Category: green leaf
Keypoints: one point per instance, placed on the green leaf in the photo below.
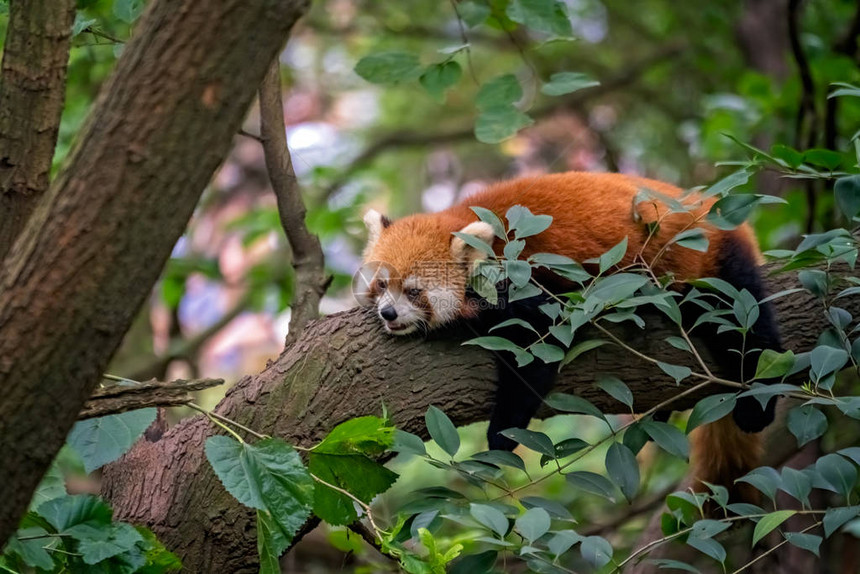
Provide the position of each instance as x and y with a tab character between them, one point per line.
501	458
573	404
668	437
615	388
709	547
533	523
826	360
127	10
596	551
564	449
547	16
532	225
499	123
490	517
81	23
504	90
53	485
268	475
617	287
360	476
798	484
847	190
711	409
694	239
563	541
365	435
442	430
32	552
481	563
769	522
789	155
492	219
102	544
547	353
732	210
765	479
493	343
562	83
806	423
475	243
809	542
67	511
519	272
668	564
554	508
271	543
836	517
772	364
677	372
408	442
728	183
828	159
532	440
838	472
623	469
437	78
389	67
613	257
104	439
581	348
593	483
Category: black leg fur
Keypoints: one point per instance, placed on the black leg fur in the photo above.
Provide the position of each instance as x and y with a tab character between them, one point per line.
737	266
520	389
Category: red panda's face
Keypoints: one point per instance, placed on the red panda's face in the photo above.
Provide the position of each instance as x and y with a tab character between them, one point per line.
415	271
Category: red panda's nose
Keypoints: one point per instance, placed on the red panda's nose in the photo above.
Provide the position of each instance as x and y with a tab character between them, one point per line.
388	313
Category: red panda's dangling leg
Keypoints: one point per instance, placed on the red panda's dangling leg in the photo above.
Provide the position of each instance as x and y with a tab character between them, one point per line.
520	389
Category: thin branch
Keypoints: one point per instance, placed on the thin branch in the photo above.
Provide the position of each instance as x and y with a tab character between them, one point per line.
121	398
775	547
403	139
807	115
32	92
308	262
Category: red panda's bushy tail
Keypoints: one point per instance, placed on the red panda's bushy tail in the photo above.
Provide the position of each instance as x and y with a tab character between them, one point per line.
721	453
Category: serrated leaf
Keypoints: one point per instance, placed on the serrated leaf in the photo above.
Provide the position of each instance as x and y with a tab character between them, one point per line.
549	16
365	435
769	522
118	538
357	474
271	543
623	469
442	430
104	439
32	552
562	83
389	67
268	475
67	511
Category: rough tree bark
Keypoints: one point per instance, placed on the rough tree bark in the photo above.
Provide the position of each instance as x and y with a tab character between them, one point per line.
97	241
344	366
32	92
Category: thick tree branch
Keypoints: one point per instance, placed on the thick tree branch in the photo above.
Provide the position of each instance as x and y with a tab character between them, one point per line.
345	366
311	281
99	238
32	91
119	398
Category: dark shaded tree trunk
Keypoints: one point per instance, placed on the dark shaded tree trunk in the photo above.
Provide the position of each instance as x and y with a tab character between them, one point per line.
32	92
98	239
344	366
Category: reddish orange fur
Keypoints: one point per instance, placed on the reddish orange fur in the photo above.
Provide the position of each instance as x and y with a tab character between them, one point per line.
591	213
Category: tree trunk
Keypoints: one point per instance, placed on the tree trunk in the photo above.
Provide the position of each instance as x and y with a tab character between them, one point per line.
32	91
344	366
99	238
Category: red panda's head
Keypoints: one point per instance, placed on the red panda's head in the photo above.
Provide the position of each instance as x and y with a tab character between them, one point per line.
415	271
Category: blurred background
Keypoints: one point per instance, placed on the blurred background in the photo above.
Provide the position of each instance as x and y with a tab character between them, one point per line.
674	79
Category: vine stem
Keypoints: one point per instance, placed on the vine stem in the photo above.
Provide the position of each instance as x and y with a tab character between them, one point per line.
651	545
757	558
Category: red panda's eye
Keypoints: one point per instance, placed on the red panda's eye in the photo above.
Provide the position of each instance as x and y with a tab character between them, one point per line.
413	293
382	284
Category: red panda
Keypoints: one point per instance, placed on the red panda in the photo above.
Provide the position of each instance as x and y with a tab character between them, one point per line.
422	272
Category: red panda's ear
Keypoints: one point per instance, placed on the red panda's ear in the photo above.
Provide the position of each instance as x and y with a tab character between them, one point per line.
461	251
375	223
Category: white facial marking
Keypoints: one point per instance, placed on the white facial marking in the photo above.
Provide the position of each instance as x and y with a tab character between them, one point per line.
445	303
